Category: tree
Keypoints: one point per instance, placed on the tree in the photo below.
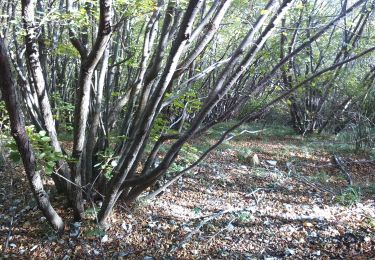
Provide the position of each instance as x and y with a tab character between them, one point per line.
314	106
19	133
151	77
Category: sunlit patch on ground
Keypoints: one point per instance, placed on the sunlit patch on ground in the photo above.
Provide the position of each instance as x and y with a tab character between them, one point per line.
227	208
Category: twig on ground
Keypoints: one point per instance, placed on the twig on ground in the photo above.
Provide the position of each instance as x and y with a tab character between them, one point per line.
314	185
292	173
208	219
152	195
253	194
221	230
346	163
340	163
201	224
125	208
232	135
360	162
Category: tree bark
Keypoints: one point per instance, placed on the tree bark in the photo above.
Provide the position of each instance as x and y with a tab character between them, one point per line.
37	77
82	103
143	126
23	143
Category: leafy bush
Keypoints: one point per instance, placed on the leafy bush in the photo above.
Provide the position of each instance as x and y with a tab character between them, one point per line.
4	118
243	155
44	153
188	155
360	134
107	162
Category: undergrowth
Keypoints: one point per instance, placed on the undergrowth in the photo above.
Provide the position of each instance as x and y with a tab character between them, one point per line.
350	196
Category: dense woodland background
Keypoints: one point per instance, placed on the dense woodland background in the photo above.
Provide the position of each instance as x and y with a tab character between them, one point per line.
114	102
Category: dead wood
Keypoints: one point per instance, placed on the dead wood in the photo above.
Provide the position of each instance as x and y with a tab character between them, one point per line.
341	165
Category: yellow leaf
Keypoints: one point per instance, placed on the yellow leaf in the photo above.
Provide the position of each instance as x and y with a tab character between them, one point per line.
307	224
299	6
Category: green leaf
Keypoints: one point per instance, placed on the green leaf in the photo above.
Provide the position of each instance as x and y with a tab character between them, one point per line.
94	232
48	170
51	163
49	167
11	146
91	211
45	139
197	210
41	156
15	156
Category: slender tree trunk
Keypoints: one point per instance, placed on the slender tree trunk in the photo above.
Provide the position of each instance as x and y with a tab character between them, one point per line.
95	122
83	91
23	143
38	81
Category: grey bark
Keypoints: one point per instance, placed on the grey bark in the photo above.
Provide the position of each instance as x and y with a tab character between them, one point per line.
82	103
8	91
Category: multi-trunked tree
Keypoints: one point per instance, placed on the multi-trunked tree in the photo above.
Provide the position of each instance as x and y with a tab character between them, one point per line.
143	87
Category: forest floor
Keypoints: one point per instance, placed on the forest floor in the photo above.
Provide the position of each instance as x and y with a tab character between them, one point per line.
293	202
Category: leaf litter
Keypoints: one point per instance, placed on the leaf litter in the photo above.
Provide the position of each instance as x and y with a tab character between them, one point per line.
225	208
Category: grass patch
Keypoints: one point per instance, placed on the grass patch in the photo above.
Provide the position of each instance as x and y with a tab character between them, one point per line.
349	197
279	131
321	177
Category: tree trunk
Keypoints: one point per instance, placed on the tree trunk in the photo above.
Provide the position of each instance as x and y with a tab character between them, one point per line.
38	81
23	143
83	90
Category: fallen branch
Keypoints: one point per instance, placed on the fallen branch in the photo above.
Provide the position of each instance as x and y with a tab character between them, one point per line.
340	163
204	222
360	162
314	185
302	179
152	195
232	135
222	230
212	217
254	196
